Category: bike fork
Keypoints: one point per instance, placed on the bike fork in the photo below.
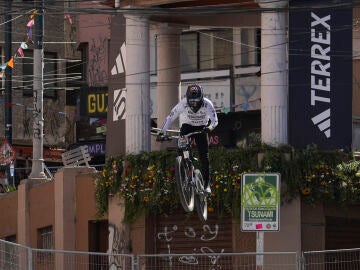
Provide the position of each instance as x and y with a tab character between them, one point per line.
191	174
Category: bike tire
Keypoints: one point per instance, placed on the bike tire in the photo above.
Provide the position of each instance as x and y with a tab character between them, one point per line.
200	197
185	189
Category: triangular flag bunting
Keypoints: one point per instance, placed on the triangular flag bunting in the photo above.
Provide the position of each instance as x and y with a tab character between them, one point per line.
11	62
30	23
33	14
67	16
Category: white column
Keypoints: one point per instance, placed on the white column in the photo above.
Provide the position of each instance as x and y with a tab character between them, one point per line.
168	69
274	111
137	84
274	95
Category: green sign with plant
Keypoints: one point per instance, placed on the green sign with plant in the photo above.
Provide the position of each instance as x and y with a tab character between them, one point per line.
260	202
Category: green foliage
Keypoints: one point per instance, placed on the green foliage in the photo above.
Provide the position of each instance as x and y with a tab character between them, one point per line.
146	181
107	183
7	189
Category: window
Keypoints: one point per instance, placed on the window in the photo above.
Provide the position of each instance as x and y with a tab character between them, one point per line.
45	238
250	46
73	82
189	52
216	49
49	74
206	50
84	50
356	135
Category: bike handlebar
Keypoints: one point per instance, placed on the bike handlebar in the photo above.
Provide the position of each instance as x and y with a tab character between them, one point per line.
166	137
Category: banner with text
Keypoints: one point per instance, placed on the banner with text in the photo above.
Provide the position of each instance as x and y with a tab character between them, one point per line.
320	74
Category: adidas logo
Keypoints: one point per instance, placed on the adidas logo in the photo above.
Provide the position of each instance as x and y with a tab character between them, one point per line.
120	61
119	104
322	120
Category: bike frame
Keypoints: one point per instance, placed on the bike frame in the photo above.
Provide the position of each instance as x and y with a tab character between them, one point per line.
191	188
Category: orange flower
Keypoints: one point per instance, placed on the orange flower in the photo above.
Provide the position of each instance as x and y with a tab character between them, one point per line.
306	191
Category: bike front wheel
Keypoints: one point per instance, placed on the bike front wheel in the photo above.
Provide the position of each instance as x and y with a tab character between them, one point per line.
184	187
200	197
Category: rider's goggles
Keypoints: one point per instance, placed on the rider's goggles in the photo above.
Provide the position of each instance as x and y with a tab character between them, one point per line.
194	102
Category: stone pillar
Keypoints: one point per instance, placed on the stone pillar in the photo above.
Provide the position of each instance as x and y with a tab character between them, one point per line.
23	222
65	212
168	72
23	236
274	112
168	69
274	95
137	84
119	232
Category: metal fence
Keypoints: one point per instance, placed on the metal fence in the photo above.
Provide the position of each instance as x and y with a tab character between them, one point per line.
342	259
18	257
223	261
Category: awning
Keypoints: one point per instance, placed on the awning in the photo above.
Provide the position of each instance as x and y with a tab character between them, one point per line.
49	154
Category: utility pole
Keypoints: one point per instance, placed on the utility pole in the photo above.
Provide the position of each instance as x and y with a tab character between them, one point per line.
8	80
8	73
37	170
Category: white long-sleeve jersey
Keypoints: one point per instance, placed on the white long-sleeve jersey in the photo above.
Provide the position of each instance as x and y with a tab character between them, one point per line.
187	116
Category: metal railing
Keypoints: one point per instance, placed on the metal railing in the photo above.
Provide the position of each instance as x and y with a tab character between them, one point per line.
342	259
18	257
223	261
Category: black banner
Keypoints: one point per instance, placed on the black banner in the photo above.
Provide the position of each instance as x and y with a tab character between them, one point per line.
115	134
320	74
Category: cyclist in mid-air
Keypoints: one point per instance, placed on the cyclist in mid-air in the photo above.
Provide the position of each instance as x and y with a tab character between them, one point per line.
197	113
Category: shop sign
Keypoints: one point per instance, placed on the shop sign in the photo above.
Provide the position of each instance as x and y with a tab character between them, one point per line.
96	149
94	101
48	154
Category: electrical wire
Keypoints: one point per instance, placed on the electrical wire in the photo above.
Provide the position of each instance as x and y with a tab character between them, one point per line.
212	58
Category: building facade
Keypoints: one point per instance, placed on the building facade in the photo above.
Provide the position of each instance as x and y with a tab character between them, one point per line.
160	53
60	74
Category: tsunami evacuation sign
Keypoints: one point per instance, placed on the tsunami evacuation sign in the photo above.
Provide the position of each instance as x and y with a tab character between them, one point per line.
260	202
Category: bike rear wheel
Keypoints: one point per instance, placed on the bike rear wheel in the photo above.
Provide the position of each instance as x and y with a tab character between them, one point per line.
185	189
200	197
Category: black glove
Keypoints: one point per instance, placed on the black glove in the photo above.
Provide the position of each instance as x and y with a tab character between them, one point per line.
206	130
160	137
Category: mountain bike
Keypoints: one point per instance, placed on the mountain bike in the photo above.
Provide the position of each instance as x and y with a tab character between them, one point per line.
189	180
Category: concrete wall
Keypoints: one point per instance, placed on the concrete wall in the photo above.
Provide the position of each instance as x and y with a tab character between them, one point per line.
94	29
8	217
41	209
67	204
290	228
85	209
